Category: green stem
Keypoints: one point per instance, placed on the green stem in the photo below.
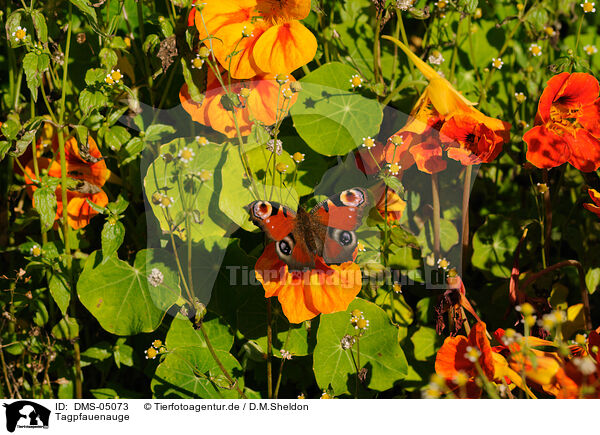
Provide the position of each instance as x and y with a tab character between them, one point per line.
465	214
269	350
211	349
435	192
277	385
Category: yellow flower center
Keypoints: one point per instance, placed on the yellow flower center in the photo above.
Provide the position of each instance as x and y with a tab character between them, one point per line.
36	251
157	344
109	80
165	201
536	50
356	313
287	93
205	175
443	263
394	168
442	4
20	34
151	353
116	75
202	141
298	157
197	62
369	142
356	81
281	167
360	247
588	7
186	154
549	31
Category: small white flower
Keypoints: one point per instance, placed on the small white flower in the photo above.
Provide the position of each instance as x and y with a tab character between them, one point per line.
186	155
497	63
368	142
347	341
588	7
535	50
443	263
36	250
275	146
197	62
285	354
298	157
394	168
356	81
156	277
590	49
472	354
246	34
404	5
436	58
201	140
19	34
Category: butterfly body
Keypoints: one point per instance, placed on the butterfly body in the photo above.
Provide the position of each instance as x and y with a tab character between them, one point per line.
327	231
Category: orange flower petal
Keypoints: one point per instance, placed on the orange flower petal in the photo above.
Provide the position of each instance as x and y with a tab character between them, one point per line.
428	157
265	95
293	302
590	118
545	149
332	290
585	150
284	48
450	358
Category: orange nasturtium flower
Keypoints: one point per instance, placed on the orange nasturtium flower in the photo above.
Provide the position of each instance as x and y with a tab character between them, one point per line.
391	203
258	101
91	171
595	207
305	294
567	124
460	356
444	120
253	37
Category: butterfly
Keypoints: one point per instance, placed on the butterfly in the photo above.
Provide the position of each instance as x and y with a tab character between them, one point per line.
327	231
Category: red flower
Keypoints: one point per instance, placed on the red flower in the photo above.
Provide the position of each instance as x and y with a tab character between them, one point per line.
567	124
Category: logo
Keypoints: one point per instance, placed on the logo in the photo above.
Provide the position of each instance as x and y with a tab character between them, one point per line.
26	415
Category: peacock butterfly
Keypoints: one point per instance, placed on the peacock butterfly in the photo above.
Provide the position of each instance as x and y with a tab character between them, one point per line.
327	231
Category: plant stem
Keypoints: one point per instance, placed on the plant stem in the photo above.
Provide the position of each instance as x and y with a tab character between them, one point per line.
547	218
435	193
269	350
465	214
287	338
5	372
211	349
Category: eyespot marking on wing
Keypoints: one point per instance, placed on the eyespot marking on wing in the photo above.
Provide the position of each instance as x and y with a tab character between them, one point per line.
263	210
352	197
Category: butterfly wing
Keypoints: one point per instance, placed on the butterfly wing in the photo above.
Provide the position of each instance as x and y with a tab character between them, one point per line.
342	215
281	225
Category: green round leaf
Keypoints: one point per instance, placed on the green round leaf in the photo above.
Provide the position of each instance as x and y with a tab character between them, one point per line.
120	296
329	116
380	352
494	245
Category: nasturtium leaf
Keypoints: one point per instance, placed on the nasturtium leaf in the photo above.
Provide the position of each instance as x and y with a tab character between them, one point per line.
44	199
494	245
189	370
125	299
380	352
112	237
182	334
426	342
236	191
448	236
192	188
396	307
329	116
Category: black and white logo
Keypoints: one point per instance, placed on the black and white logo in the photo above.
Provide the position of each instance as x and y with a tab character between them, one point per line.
26	415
